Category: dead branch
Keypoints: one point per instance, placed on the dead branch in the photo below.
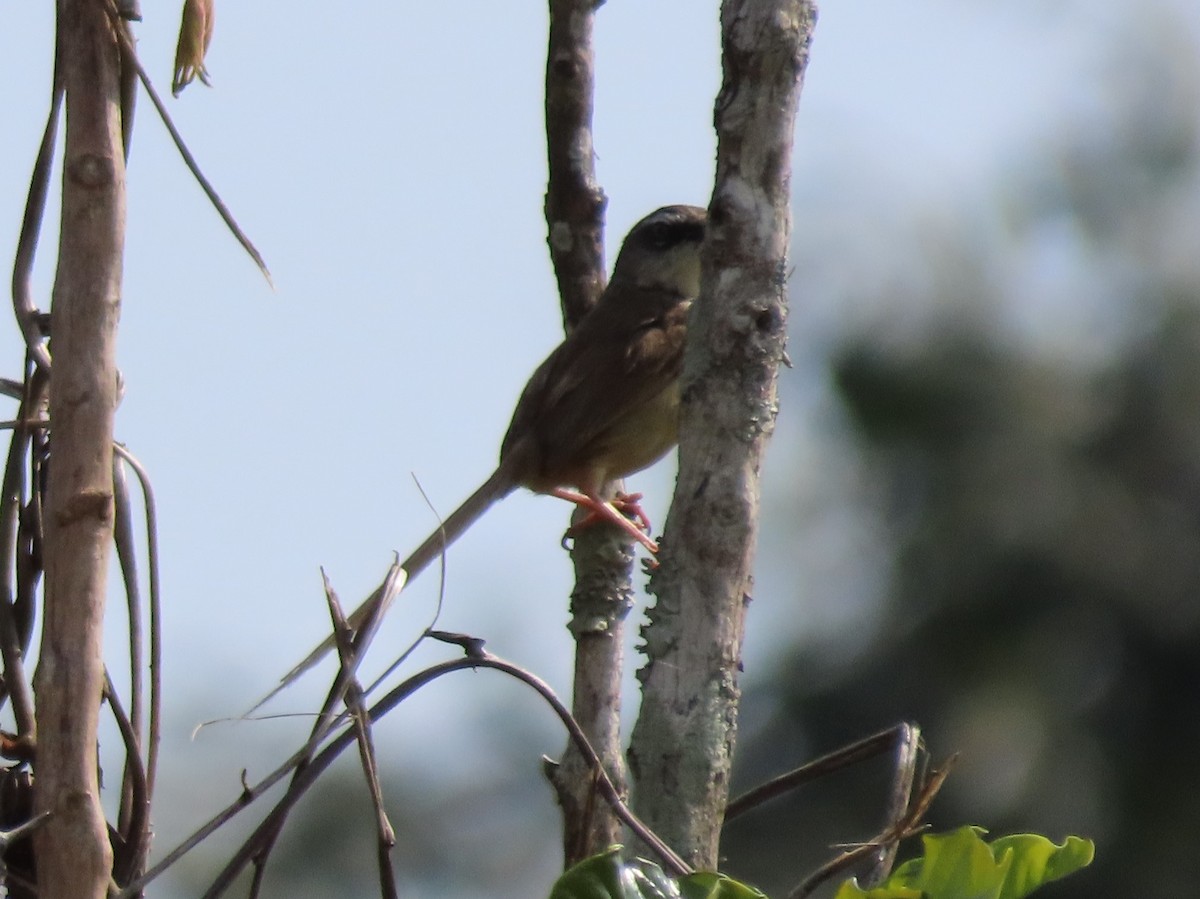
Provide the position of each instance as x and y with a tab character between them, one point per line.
73	850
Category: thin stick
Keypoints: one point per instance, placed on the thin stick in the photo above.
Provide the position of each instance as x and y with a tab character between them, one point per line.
154	732
908	825
866	748
385	833
190	161
314	766
136	832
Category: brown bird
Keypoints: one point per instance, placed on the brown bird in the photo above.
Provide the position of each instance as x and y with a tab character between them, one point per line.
605	403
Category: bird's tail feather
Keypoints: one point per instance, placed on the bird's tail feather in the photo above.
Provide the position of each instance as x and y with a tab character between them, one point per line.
494	488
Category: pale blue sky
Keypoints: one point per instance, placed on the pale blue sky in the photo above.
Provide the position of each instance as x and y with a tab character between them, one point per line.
388	160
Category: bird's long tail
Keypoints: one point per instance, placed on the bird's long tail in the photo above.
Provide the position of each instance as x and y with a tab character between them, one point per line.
494	488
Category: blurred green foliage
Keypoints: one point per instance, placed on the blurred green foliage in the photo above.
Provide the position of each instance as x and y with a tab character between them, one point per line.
1041	505
1024	425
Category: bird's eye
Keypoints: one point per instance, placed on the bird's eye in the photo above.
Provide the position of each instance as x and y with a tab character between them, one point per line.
659	235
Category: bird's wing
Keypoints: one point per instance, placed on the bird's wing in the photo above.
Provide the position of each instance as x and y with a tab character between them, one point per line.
612	363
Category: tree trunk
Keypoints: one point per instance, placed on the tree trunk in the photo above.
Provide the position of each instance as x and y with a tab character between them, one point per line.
683	742
74	857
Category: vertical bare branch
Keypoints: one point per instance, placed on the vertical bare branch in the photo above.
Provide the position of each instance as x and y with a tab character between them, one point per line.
574	201
20	546
603	561
74	856
683	741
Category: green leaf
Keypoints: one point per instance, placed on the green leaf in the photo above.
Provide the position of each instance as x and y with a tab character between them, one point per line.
706	885
598	877
1036	861
606	876
851	890
960	865
956	864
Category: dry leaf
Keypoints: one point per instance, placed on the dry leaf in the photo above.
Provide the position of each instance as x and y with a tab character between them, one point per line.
195	34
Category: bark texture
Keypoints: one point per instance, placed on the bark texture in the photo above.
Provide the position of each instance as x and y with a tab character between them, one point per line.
574	201
683	742
602	557
74	857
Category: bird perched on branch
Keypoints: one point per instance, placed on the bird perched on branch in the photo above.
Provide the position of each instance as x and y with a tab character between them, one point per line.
605	403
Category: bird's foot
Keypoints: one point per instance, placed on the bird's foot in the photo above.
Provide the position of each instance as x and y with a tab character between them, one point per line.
611	512
629	505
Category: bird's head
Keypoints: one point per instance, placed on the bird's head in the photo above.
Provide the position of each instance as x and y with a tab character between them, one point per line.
662	251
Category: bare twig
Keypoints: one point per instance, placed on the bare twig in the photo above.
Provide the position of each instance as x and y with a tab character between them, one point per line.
604	783
574	200
368	609
374	608
29	317
17	552
908	756
385	833
393	582
909	824
135	829
33	399
867	748
127	558
143	737
190	161
153	735
603	560
905	740
306	768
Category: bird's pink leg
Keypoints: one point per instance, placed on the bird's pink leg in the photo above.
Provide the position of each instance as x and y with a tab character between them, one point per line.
601	511
629	505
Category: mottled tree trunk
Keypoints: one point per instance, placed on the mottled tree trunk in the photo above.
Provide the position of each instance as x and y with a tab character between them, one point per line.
683	742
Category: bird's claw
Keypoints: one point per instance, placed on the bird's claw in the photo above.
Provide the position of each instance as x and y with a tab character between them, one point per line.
629	505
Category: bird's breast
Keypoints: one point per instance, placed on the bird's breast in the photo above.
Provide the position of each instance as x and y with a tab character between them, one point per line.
640	437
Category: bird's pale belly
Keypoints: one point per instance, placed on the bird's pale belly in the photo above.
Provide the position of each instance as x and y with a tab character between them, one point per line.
641	437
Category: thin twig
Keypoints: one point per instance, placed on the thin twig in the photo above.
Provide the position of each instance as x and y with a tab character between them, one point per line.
127	558
393	582
314	766
28	316
12	639
30	321
908	756
154	717
136	832
190	161
150	505
603	563
908	825
385	833
575	202
866	748
374	607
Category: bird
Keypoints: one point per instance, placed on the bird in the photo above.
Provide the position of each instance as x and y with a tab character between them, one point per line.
603	405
